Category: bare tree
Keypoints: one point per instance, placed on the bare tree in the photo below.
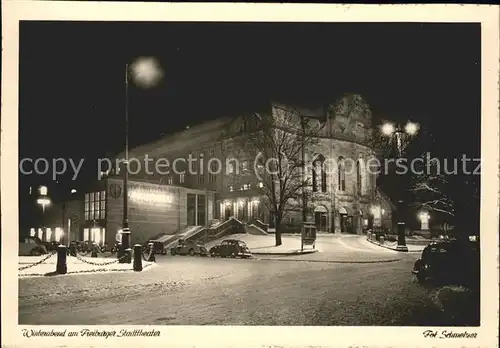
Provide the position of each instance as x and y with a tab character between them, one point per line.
452	195
280	142
434	183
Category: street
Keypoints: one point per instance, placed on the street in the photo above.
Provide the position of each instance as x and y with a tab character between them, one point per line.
187	290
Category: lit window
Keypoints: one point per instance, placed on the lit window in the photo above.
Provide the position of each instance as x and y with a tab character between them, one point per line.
341	174
59	234
95	205
181	178
48	234
231	188
96	235
32	232
86	234
169	180
244	166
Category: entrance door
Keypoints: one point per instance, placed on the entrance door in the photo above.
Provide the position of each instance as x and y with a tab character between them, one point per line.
227	212
350	225
345	223
320	221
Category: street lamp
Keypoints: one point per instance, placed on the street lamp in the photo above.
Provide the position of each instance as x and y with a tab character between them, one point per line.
44	201
144	72
400	136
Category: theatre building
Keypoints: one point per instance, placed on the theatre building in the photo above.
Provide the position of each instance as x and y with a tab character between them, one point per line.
345	200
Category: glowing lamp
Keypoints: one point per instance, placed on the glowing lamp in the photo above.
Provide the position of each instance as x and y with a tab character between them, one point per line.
424	220
411	128
388	129
43	190
43	202
146	72
376	211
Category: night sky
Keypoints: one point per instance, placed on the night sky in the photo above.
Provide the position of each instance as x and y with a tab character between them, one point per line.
72	78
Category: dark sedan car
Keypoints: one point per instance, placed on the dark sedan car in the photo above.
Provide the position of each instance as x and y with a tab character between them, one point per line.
31	246
158	247
190	248
449	261
231	248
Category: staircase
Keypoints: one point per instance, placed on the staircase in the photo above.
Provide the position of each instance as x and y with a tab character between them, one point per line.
222	229
257	227
185	233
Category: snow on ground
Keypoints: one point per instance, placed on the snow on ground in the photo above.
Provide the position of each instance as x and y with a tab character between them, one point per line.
83	265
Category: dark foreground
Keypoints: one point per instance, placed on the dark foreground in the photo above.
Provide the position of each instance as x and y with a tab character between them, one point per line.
206	291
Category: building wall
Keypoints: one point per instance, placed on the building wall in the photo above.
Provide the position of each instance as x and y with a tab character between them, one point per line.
154	209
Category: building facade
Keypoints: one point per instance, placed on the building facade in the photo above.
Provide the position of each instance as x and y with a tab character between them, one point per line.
343	200
153	209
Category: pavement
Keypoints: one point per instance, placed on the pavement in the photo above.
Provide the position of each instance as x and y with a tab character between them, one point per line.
82	264
412	248
348	281
328	248
184	290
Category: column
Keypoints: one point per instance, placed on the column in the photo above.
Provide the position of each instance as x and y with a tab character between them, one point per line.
196	209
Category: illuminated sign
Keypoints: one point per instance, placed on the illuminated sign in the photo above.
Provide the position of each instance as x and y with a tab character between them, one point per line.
150	196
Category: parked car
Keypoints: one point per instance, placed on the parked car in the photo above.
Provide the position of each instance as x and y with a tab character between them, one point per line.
189	248
51	246
32	246
158	247
449	261
231	248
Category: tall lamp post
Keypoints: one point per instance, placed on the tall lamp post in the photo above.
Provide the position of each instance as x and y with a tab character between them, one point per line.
144	72
399	138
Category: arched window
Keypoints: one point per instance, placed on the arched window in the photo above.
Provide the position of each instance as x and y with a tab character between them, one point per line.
319	174
341	174
360	177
